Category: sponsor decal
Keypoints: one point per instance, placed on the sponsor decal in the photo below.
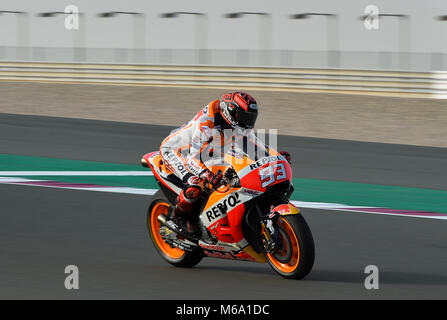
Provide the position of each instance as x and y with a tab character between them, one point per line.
212	247
194	168
207	132
220	209
176	162
241	102
182	245
232	256
172	224
218	254
196	141
194	180
245	256
284	209
266	160
227	114
213	229
251	192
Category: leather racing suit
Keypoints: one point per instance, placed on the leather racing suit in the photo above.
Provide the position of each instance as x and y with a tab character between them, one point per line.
182	152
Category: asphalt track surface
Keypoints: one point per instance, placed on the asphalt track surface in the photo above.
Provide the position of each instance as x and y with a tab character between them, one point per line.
42	230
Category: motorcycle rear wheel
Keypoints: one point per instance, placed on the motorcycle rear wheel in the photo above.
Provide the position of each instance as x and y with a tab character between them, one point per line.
175	256
296	257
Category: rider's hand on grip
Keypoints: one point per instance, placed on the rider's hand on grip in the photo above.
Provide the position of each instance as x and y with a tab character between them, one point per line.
207	175
286	155
216	180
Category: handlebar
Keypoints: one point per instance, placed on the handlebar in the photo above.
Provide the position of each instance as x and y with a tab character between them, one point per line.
230	178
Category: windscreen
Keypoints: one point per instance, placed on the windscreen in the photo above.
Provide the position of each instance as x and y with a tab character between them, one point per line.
238	143
249	144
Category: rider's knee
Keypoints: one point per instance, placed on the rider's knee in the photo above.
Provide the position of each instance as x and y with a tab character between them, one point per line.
191	193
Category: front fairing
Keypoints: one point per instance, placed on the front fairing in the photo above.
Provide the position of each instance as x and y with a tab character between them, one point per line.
259	169
265	173
258	166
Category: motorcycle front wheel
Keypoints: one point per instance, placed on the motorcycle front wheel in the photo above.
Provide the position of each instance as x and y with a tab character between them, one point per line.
295	258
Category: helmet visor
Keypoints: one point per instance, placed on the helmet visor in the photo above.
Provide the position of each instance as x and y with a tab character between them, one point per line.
246	120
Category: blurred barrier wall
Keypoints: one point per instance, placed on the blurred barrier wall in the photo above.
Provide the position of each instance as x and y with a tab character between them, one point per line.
270	58
367	82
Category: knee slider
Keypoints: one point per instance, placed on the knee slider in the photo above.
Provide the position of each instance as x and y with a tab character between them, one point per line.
192	192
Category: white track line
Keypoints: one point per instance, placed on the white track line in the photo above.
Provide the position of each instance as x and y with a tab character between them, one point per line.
76	173
35	183
141	191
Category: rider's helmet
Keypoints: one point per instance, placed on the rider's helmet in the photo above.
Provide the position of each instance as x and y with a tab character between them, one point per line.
239	109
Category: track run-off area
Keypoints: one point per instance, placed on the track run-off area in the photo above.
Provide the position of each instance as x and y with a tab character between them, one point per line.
50	218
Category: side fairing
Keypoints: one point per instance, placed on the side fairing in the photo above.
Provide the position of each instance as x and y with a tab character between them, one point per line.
223	214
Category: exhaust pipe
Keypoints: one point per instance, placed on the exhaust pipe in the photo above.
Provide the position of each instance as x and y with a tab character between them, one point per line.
162	219
173	227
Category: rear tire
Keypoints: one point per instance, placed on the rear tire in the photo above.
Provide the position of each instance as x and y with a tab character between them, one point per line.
296	259
175	256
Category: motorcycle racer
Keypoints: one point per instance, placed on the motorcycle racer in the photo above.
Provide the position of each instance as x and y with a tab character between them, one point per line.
182	149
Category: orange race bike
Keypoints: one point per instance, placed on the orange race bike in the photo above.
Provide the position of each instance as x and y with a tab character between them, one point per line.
251	218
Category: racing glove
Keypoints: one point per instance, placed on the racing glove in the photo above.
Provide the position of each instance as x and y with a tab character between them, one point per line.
216	180
286	155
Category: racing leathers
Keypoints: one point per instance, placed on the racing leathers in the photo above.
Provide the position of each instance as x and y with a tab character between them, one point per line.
182	151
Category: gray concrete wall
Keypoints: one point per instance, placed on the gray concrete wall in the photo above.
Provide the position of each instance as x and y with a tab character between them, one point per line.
426	35
273	39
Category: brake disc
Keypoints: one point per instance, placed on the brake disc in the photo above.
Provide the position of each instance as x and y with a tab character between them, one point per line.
284	254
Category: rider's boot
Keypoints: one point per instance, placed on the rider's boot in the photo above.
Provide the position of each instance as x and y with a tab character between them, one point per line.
182	211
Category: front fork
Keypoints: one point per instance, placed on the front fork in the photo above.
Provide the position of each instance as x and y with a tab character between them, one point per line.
270	235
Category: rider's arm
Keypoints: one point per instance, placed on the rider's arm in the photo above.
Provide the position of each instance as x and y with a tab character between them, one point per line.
200	139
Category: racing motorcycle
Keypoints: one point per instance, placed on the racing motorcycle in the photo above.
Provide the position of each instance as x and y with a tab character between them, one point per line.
250	218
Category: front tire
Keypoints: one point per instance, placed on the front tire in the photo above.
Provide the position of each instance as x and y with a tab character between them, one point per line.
175	256
296	257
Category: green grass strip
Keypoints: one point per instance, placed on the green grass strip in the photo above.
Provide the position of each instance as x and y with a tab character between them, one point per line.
354	194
